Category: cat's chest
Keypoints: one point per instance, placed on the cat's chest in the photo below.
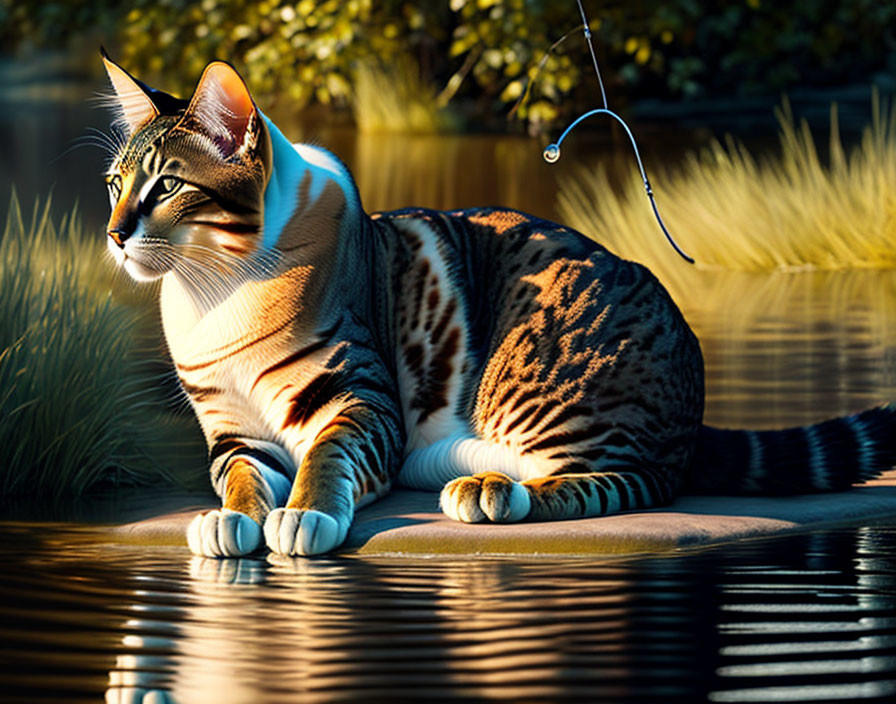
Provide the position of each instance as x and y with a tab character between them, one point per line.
236	337
432	346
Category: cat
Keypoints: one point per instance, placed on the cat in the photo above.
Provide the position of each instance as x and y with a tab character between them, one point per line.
510	363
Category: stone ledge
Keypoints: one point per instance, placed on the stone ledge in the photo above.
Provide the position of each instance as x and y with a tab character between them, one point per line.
409	523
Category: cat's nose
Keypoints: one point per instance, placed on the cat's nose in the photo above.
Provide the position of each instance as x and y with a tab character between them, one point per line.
118	236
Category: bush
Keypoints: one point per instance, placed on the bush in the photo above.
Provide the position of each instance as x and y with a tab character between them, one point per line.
485	52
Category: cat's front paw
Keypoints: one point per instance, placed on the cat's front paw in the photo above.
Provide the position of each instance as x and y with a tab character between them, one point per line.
488	496
291	531
223	533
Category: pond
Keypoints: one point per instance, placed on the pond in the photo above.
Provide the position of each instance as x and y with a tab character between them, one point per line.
798	618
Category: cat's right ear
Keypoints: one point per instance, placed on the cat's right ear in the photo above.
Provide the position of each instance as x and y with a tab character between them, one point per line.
133	105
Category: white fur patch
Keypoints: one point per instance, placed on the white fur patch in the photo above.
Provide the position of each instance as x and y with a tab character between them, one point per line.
460	455
289	531
445	421
223	533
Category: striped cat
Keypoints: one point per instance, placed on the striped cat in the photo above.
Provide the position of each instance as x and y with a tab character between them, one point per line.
512	364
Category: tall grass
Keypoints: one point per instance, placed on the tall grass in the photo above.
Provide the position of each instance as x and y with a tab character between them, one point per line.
393	98
76	410
732	210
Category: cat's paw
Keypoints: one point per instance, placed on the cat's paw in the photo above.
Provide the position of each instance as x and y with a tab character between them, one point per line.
291	531
488	496
223	533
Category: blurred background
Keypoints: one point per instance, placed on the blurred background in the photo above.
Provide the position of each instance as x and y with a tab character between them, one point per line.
683	71
766	128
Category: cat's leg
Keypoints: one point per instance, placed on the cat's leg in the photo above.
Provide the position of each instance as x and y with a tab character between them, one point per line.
495	497
473	477
252	477
351	462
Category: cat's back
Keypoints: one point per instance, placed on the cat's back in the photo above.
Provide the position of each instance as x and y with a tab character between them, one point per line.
492	256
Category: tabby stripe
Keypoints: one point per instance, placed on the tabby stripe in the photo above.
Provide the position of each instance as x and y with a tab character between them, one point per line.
311	398
447	314
601	496
520	418
203	365
422	274
234	228
223	445
538	416
522	399
229	205
325	335
263	457
567	437
621	490
565	415
613	498
200	393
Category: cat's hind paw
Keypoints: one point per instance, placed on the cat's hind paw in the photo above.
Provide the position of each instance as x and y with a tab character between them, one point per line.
223	533
488	496
291	531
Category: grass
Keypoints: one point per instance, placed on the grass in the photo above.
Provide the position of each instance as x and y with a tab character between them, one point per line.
393	98
77	409
731	210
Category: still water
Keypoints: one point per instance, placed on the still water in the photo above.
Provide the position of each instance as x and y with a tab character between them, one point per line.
800	618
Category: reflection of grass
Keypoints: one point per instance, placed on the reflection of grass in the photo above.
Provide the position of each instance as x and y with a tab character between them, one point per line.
787	348
75	412
394	99
731	210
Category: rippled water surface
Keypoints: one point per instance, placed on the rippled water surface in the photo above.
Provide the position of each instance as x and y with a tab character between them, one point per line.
799	618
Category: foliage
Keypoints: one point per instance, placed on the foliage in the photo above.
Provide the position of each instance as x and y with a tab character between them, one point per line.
486	52
731	211
392	98
76	412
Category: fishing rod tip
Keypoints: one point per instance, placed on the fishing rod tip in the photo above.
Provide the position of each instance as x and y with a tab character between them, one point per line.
551	153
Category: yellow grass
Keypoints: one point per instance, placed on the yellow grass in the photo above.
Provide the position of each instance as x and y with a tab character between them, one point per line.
394	99
731	210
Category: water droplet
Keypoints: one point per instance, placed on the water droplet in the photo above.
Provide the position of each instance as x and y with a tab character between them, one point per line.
551	153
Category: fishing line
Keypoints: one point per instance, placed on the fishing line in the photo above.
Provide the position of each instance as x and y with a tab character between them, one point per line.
552	151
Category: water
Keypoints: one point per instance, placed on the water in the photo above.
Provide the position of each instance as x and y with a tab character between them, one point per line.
799	618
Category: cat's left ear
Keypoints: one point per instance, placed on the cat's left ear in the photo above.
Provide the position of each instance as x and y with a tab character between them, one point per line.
222	109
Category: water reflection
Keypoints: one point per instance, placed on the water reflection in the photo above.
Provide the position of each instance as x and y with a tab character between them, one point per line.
799	618
791	348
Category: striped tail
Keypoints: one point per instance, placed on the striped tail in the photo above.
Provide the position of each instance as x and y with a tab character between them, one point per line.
828	456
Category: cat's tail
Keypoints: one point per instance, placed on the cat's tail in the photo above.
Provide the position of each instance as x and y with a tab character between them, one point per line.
828	456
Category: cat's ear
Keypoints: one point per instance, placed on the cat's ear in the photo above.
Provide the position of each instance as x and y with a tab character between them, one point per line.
223	109
133	105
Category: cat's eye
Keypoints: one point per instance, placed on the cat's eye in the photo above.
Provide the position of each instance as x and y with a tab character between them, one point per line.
113	185
166	186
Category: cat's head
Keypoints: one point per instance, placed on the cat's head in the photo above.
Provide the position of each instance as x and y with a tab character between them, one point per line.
187	187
